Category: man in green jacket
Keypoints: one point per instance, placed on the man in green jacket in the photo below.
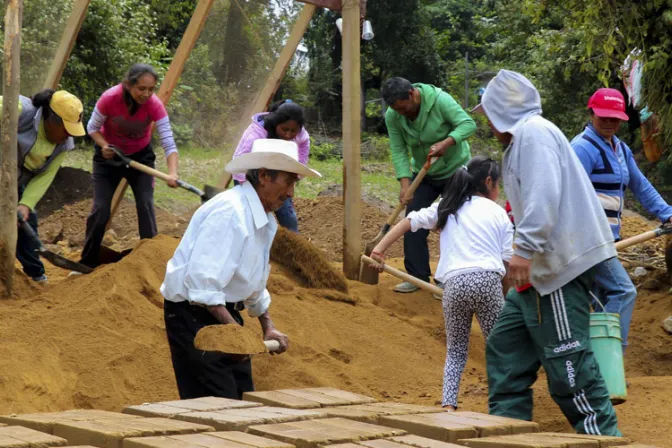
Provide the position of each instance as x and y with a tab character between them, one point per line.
424	121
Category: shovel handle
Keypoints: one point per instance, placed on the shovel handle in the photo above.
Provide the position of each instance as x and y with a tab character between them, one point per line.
406	277
414	186
272	345
163	176
646	236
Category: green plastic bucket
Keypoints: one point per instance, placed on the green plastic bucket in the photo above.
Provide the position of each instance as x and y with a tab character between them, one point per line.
605	340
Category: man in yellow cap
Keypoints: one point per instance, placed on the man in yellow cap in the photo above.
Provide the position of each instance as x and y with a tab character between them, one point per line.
47	124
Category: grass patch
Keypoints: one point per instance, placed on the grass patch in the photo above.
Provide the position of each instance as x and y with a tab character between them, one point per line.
200	166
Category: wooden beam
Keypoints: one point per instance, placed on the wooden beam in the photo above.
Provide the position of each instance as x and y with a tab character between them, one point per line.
8	142
173	74
334	5
275	77
68	39
352	225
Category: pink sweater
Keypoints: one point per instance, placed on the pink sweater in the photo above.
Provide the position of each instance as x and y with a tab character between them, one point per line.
256	131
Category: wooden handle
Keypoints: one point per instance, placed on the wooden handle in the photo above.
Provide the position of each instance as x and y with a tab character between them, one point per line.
414	186
272	345
646	236
148	170
406	277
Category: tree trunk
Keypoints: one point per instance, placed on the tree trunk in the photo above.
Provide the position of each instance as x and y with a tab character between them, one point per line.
8	140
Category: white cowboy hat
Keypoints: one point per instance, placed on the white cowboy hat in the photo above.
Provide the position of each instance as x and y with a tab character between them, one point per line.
272	154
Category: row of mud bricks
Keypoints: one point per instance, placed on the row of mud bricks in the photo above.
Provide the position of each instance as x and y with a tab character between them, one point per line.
288	418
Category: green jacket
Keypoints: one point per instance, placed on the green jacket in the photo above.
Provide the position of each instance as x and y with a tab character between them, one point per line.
440	117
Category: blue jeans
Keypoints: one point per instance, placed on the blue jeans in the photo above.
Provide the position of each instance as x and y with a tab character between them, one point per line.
612	285
285	214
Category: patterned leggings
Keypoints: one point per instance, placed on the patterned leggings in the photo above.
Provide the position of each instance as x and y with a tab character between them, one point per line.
478	292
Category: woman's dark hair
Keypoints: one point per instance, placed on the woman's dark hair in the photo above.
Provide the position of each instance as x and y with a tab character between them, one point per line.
43	99
465	183
281	112
134	73
137	71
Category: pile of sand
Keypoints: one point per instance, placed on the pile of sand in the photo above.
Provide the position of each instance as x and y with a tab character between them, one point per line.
231	339
321	222
98	341
67	225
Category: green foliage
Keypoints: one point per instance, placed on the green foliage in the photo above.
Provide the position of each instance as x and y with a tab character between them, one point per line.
115	35
376	148
325	150
39	40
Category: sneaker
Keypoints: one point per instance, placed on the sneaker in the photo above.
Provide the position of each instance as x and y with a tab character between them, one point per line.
41	279
405	288
74	273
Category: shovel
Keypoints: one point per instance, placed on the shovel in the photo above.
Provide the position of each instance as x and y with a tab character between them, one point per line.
232	339
665	229
368	261
55	259
209	193
367	274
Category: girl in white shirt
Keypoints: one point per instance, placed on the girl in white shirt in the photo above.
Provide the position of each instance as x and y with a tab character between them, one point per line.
475	245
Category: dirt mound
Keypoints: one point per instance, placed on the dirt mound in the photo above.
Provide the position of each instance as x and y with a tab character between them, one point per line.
70	185
231	339
98	341
93	341
321	222
68	224
305	261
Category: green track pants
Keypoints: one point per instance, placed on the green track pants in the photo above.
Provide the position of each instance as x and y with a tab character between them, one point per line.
550	331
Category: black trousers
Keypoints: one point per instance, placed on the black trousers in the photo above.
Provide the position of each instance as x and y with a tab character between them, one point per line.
416	251
26	249
106	178
199	373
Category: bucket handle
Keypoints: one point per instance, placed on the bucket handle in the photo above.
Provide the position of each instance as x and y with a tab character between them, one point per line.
597	300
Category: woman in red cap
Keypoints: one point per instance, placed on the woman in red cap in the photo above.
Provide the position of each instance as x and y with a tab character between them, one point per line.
612	168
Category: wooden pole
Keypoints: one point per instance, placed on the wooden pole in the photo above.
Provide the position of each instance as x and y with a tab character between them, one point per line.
68	39
352	225
334	5
9	195
173	74
275	77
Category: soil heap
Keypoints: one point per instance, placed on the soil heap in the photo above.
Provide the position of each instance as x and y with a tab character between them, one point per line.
231	339
98	341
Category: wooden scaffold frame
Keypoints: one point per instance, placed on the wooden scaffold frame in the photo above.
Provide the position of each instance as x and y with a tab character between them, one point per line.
352	11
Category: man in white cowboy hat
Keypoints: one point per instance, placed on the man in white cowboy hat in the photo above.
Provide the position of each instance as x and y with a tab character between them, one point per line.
221	267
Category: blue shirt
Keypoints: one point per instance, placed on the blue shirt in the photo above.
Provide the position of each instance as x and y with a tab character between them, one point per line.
612	169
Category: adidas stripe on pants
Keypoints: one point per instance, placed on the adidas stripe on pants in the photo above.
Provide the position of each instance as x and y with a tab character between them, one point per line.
552	331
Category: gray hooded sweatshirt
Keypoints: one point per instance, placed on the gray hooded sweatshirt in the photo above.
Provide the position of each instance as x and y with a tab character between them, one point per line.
559	223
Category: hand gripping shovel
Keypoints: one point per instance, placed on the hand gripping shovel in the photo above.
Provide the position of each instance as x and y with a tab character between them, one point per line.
368	261
367	274
209	193
55	259
232	339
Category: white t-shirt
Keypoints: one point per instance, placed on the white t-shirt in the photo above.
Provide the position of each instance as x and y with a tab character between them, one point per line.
481	238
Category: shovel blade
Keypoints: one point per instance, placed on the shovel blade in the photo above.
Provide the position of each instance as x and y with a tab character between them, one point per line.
62	262
367	274
210	192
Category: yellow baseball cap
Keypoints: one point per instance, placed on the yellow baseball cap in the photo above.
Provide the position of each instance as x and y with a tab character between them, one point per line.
70	109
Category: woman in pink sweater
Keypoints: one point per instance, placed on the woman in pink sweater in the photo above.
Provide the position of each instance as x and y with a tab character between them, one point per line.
285	121
123	118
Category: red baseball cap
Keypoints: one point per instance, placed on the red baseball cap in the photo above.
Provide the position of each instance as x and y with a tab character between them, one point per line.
608	103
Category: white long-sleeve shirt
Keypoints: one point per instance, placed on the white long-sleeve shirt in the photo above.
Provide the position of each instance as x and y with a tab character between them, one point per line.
480	239
224	256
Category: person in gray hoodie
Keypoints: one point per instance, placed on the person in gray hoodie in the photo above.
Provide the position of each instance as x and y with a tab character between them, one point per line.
561	234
